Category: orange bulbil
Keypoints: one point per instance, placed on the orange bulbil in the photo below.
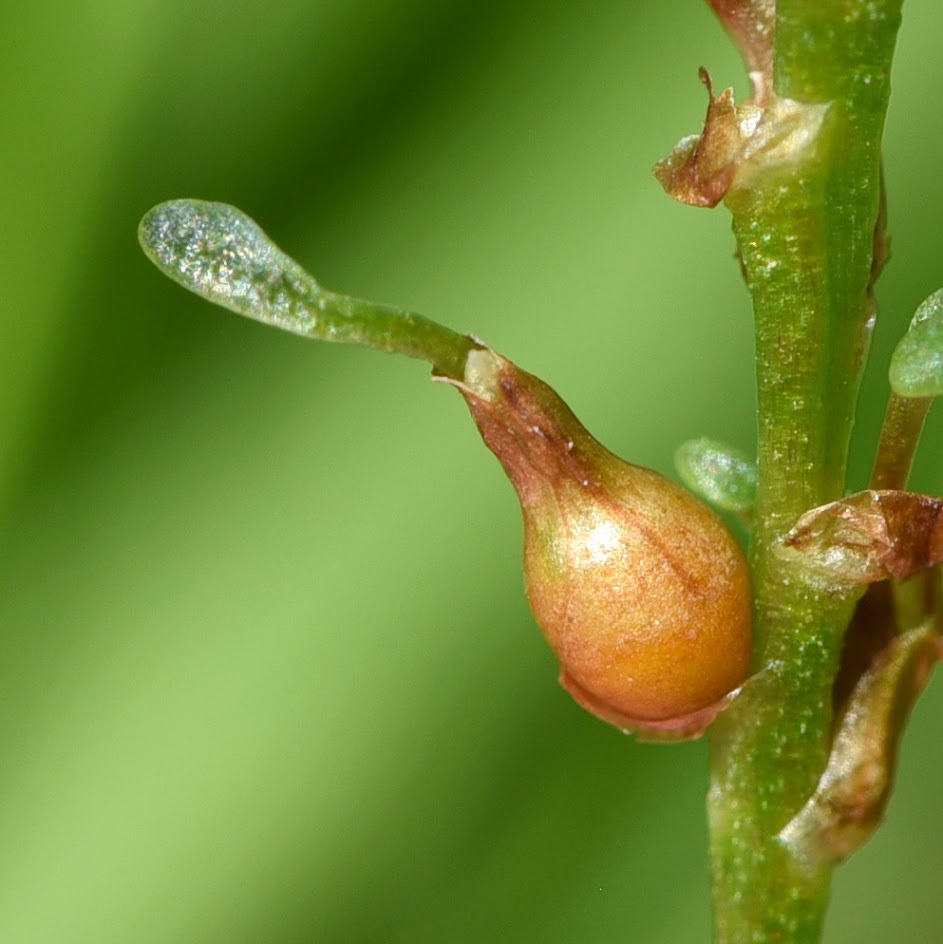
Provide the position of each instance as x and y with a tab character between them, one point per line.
639	588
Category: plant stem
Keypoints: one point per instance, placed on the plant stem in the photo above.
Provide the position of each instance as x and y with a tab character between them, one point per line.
900	434
909	603
805	229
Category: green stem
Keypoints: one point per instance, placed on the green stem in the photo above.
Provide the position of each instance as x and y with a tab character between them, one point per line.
909	603
888	607
900	434
219	253
805	228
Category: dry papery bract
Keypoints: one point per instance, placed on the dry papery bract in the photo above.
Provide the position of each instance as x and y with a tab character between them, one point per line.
738	142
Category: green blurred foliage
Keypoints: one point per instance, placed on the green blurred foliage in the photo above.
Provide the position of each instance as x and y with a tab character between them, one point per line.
267	671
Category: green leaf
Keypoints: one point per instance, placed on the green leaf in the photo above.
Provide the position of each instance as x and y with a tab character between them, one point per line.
720	474
219	253
917	363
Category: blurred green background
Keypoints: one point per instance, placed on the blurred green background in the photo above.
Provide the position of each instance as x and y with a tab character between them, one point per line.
267	673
